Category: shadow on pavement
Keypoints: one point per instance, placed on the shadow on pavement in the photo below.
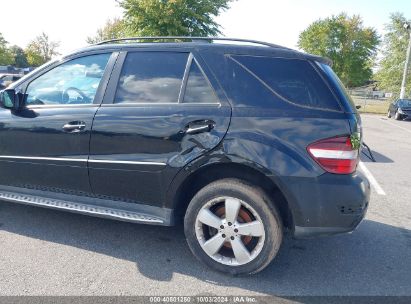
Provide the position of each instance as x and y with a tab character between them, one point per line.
374	260
379	158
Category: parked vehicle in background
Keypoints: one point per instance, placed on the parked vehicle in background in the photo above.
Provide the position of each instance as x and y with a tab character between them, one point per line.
400	109
242	142
7	79
377	94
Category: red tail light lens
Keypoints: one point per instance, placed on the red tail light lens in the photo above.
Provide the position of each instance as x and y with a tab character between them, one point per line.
335	155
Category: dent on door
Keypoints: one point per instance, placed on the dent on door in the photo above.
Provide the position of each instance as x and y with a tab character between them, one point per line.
198	137
136	151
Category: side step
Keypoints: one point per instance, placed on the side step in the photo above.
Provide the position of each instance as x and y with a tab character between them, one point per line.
82	208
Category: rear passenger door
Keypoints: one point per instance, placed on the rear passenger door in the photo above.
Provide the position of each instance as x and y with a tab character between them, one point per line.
160	113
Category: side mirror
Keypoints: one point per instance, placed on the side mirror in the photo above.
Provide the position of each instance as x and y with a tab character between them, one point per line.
358	107
10	99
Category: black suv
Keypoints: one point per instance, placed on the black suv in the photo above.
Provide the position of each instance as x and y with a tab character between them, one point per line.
243	142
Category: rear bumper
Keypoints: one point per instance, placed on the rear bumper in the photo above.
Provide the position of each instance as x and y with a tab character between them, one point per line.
329	204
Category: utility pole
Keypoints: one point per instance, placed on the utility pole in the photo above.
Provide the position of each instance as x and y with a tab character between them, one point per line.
407	26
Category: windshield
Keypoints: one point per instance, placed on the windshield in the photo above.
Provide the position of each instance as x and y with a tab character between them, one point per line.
405	103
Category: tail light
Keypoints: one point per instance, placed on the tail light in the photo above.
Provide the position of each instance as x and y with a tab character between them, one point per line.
335	155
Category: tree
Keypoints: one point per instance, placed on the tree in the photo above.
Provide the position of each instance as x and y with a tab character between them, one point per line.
391	66
173	17
41	50
112	29
351	46
19	57
34	59
6	58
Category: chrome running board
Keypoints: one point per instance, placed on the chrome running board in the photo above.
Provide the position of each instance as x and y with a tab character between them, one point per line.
82	208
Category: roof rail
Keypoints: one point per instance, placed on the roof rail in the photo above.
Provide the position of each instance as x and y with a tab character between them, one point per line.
192	39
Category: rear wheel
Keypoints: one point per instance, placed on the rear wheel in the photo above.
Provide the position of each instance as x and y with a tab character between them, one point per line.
389	114
233	227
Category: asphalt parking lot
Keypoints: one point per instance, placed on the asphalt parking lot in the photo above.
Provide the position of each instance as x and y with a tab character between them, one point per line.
45	252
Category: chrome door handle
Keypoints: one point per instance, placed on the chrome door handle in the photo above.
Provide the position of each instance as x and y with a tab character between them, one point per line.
74	127
199	127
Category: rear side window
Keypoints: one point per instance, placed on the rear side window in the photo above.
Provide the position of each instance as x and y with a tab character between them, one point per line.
292	80
151	77
338	87
198	89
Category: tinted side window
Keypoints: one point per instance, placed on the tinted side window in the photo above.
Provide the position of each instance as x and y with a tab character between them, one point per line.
338	86
151	77
198	89
293	80
247	91
73	82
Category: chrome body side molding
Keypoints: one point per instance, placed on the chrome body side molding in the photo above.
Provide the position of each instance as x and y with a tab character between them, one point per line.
85	160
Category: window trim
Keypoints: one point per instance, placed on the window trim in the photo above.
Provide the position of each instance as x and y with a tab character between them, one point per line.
187	74
100	90
185	78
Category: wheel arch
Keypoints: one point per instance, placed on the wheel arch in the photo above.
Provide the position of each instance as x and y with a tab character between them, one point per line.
206	174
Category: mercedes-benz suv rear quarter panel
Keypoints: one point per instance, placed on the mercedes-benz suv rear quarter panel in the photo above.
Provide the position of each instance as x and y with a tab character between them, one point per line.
275	134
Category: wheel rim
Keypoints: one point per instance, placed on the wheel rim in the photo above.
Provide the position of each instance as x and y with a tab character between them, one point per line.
230	231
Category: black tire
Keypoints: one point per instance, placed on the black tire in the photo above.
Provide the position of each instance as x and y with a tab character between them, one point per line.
398	116
254	197
389	114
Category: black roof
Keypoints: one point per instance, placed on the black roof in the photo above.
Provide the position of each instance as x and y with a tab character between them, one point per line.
234	46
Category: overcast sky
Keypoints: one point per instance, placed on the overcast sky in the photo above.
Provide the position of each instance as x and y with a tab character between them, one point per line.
280	22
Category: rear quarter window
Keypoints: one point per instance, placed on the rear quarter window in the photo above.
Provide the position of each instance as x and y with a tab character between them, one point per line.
293	81
338	86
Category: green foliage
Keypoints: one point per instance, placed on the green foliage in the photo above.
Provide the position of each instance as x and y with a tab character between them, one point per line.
34	59
112	29
19	57
6	58
172	17
351	46
391	66
41	50
356	141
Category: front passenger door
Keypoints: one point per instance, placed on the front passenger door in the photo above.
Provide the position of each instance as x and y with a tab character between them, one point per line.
45	145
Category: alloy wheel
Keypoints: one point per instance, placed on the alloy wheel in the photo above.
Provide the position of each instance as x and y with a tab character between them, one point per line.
230	231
